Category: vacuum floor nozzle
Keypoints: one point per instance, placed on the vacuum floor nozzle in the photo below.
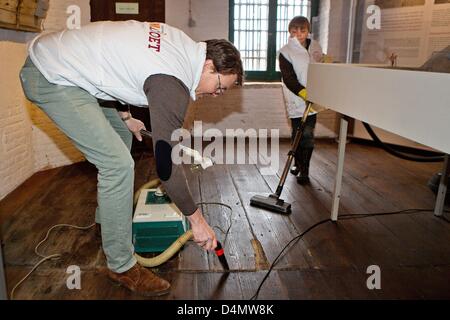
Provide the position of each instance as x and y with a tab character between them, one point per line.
272	203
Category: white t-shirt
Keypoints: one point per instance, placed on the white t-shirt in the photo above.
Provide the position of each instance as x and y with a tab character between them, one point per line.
112	60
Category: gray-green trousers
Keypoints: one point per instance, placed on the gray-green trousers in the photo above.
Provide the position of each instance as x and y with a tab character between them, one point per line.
105	141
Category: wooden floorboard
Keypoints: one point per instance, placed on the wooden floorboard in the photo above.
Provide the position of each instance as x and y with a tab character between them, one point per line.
327	247
217	187
330	262
311	203
372	198
399	190
270	230
192	257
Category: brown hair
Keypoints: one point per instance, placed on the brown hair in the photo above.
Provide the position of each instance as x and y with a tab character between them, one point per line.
226	58
299	22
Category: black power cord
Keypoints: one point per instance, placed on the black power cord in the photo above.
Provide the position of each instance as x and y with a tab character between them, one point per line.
294	240
399	154
231	218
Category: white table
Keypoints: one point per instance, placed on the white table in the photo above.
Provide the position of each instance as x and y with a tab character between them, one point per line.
412	104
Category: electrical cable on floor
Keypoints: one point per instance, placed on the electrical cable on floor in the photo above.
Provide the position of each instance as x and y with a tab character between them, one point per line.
341	217
231	218
55	256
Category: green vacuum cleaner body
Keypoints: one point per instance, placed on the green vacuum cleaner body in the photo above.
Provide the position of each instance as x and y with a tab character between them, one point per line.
157	222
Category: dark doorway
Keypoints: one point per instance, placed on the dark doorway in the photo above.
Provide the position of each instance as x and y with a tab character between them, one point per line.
149	10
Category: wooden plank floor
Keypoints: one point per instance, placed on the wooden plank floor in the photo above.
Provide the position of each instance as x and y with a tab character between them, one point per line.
412	251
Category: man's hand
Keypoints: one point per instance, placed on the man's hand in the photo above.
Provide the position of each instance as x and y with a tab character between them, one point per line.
134	125
204	236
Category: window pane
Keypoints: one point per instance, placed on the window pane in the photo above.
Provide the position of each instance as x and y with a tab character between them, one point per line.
288	9
250	32
251	25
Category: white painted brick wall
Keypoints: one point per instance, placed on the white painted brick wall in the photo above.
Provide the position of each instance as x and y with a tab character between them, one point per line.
52	148
29	141
16	153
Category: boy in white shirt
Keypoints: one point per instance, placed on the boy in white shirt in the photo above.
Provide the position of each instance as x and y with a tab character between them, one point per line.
294	59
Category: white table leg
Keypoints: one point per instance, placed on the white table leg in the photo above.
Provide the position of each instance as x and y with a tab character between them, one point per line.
442	191
340	168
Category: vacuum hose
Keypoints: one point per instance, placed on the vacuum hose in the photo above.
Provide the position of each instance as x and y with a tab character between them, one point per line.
398	154
151	184
167	254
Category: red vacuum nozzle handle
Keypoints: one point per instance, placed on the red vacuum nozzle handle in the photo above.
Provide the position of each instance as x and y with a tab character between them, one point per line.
221	255
219	249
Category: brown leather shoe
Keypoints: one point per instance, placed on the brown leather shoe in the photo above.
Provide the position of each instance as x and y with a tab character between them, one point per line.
140	280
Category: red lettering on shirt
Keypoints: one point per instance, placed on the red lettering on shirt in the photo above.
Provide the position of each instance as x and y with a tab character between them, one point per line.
154	39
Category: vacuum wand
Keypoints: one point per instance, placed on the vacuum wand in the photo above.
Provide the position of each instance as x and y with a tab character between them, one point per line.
200	162
273	201
298	137
221	255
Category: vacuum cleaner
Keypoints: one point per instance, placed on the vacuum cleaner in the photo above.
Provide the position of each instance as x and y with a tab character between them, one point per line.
273	202
158	225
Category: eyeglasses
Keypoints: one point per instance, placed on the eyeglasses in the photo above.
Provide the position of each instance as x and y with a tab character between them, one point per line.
220	89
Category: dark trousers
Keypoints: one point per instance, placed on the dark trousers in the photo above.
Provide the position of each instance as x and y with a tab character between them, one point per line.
305	148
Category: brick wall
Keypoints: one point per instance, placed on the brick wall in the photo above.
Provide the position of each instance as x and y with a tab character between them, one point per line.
16	152
29	141
51	148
